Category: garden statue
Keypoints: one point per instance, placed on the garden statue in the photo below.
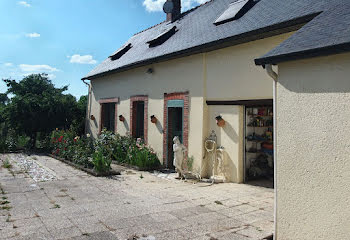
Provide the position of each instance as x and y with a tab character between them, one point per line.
179	155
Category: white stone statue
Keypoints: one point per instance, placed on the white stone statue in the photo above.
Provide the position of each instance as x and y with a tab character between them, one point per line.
179	155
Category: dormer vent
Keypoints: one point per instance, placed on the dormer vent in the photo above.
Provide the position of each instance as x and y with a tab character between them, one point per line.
235	11
161	38
120	52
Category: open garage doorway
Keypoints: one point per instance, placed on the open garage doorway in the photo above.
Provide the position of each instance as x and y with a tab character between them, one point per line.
259	147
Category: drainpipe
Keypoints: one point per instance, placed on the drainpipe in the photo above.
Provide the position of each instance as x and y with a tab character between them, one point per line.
270	72
88	108
274	76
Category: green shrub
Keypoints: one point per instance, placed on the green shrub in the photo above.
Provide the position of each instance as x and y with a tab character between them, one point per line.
101	163
11	141
190	161
3	146
82	151
66	145
99	154
6	164
62	144
23	142
142	156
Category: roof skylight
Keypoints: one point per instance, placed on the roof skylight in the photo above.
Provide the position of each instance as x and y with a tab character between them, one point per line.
235	10
161	38
120	52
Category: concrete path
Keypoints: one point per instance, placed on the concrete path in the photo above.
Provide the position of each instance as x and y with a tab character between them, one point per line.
135	205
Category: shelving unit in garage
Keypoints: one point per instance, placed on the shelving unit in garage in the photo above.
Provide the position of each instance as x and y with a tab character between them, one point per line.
259	143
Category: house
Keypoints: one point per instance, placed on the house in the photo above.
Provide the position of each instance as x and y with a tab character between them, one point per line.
195	73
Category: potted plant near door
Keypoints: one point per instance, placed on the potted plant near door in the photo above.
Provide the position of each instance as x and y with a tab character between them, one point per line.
220	121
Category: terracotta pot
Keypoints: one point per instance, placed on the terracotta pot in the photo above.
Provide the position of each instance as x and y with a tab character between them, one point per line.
92	117
154	119
220	121
121	118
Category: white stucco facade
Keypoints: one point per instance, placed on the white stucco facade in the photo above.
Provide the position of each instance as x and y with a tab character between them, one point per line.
225	74
313	149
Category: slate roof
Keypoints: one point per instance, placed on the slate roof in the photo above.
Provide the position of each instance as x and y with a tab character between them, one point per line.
328	33
197	32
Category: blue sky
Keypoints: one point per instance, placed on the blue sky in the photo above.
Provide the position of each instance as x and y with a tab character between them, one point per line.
68	38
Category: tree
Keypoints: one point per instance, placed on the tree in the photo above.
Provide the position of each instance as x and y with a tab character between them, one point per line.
38	107
78	124
3	98
3	101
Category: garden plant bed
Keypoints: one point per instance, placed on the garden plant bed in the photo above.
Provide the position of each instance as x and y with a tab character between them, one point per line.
87	170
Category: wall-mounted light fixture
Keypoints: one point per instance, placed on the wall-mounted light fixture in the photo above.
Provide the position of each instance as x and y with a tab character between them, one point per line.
150	70
154	119
220	121
92	117
121	118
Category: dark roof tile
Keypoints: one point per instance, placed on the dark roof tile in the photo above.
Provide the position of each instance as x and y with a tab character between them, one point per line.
328	33
198	33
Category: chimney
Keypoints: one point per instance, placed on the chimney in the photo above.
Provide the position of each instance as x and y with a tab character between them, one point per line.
172	8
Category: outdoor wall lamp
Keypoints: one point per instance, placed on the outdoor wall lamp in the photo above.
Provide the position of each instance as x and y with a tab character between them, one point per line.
121	118
150	70
154	119
92	117
220	121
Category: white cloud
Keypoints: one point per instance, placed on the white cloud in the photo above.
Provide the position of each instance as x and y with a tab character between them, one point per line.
33	35
37	68
10	70
157	5
85	59
24	4
153	5
51	76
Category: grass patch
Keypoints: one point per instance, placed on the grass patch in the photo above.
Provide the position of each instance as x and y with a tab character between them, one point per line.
5	207
8	219
56	206
6	164
218	203
4	198
2	190
4	202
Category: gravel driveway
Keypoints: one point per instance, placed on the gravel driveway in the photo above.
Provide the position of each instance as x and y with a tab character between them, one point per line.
42	198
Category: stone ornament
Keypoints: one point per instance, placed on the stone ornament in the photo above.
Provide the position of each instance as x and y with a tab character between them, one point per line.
179	155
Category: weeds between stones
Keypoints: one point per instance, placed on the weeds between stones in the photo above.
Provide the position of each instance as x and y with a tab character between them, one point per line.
4	202
5	207
6	164
56	206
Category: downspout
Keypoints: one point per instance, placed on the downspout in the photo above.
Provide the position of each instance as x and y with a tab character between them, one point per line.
270	72
88	107
274	76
